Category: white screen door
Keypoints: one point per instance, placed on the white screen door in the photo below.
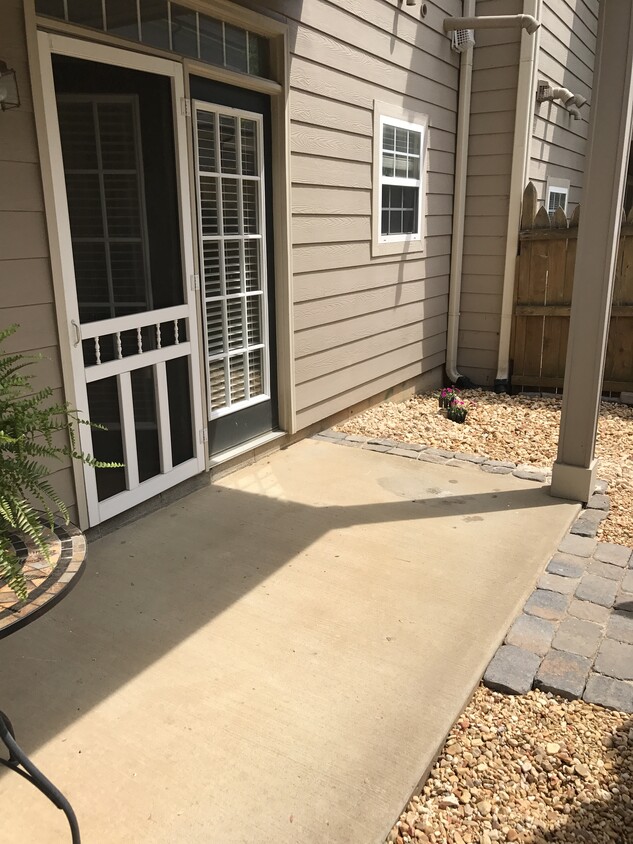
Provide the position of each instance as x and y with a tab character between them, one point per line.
119	145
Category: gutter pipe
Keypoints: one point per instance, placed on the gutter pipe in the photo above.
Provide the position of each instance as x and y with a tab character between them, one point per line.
528	67
459	206
527	74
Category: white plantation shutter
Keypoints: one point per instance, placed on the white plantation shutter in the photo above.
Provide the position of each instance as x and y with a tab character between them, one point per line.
102	166
231	219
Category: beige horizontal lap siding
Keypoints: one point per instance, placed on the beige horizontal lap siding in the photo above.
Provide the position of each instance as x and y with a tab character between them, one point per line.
493	105
26	287
364	325
568	41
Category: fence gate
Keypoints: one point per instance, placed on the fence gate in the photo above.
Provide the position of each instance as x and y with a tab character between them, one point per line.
542	306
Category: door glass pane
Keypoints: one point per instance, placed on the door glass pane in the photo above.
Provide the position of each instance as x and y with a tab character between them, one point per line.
122	190
230	206
209	205
251	265
206	141
232	267
211	261
250	207
184	31
53	8
237	378
103	408
146	422
180	410
228	144
249	147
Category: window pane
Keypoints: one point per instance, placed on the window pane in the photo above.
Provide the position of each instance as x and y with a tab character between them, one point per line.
235	48
211	43
86	12
53	8
388	164
399	210
414	143
184	31
401	166
121	18
401	140
250	191
230	213
155	23
257	55
388	137
414	168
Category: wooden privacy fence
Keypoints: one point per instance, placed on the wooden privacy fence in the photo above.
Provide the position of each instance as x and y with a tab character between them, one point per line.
544	282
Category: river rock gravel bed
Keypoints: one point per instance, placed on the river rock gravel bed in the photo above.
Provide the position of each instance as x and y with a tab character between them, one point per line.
520	428
532	769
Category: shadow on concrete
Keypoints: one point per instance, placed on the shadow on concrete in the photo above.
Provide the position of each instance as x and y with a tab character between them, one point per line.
606	820
152	584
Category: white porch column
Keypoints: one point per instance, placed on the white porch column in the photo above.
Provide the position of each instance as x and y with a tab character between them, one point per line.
598	238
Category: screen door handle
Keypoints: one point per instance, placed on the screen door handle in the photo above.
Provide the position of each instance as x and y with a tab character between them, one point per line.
77	332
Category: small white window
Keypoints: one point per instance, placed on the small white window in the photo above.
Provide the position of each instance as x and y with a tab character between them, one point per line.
399	147
557	195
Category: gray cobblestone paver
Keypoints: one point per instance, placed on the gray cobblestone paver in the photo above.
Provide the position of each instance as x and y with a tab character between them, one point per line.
588	611
563	674
609	552
605	691
565	585
546	604
496	470
624	602
578	636
597	589
605	570
599	501
595	516
532	634
627	583
512	670
615	659
440	452
527	475
583	527
470	458
578	545
566	565
405	452
427	457
620	627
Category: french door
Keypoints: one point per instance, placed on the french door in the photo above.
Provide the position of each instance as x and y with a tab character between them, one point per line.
118	138
231	136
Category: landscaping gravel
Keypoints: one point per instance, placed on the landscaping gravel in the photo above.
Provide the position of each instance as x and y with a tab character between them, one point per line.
520	428
528	769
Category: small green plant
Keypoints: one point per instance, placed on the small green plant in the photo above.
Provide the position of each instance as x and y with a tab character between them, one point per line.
30	429
457	412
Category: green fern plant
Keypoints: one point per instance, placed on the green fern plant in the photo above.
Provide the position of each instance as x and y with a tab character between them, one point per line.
30	424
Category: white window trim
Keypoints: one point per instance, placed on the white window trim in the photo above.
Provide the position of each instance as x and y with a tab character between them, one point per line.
388	114
558	186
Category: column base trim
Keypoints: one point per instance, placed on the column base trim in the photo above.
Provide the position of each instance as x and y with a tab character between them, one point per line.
574	482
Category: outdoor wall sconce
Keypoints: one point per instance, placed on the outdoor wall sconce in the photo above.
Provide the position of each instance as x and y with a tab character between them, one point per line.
9	94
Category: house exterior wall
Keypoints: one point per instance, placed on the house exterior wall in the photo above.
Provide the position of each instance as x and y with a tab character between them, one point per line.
493	106
26	296
364	324
566	56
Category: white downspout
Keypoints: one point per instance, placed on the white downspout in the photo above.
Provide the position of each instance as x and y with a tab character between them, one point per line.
528	67
459	205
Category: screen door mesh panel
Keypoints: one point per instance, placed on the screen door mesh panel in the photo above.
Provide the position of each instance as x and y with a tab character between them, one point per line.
232	260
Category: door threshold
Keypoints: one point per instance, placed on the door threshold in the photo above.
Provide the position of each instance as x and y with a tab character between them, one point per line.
244	448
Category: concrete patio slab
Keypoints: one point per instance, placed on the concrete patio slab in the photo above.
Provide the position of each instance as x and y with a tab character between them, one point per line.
276	658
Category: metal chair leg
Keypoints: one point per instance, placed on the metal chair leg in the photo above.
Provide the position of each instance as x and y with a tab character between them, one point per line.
18	758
